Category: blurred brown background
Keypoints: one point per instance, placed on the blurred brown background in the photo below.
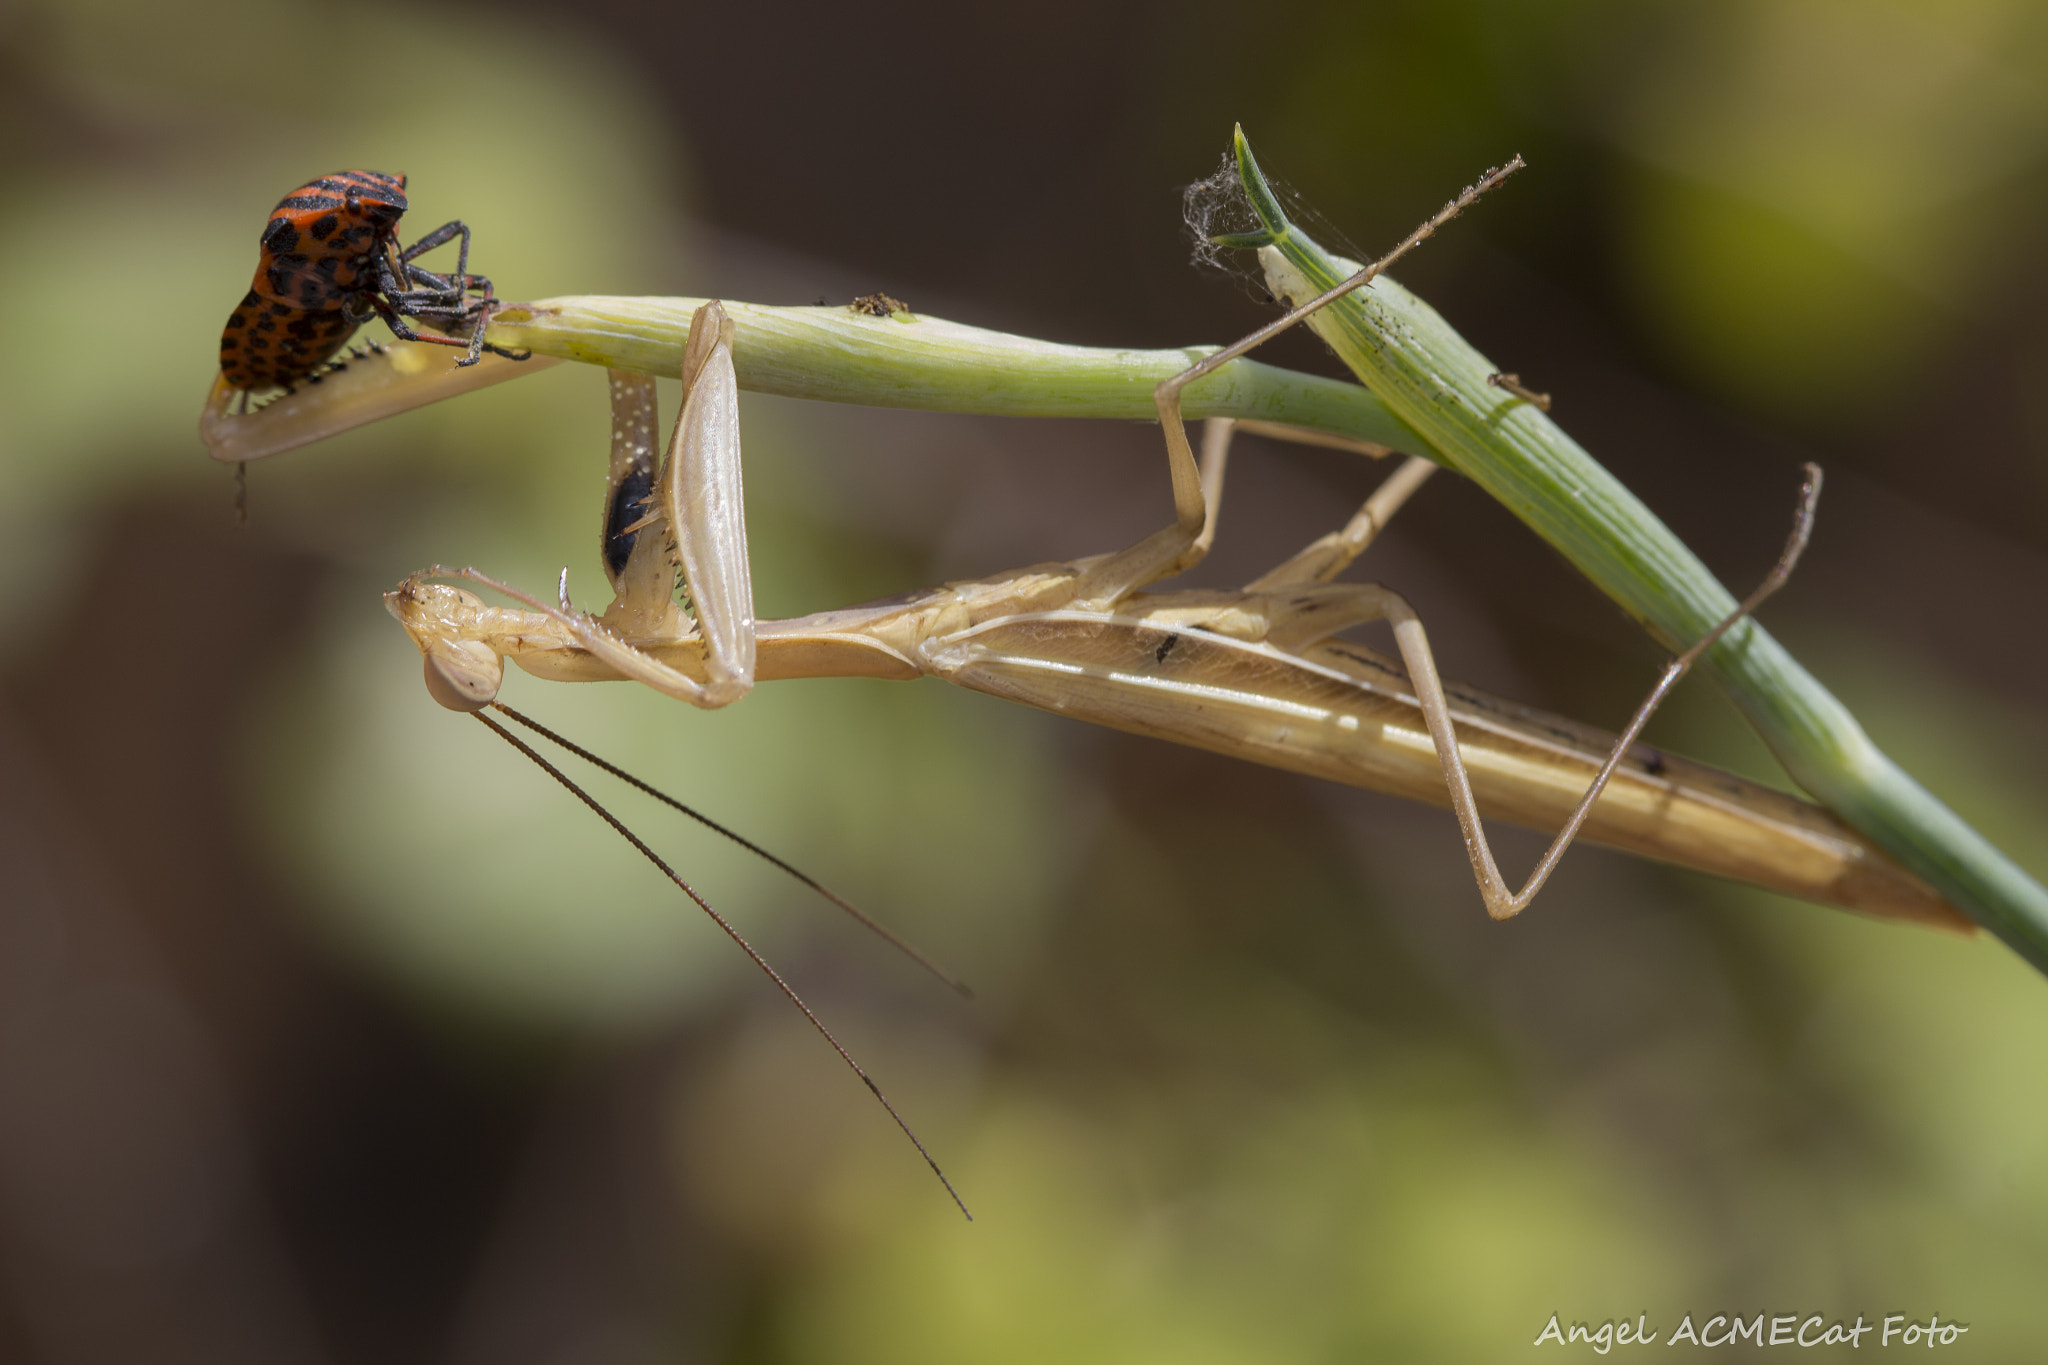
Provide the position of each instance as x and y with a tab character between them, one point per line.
329	1035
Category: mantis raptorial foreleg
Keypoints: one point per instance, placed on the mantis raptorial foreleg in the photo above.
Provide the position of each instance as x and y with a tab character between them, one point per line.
688	515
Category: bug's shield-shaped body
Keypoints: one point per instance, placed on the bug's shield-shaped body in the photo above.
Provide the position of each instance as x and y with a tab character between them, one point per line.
319	255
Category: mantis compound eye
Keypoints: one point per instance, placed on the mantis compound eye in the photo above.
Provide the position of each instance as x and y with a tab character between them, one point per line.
463	675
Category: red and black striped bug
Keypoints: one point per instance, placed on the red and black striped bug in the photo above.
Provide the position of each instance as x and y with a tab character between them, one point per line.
330	261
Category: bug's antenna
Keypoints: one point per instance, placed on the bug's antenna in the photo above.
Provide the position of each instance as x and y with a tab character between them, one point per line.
723	923
873	926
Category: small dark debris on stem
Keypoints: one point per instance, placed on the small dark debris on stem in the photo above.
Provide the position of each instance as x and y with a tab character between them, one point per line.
1513	384
877	305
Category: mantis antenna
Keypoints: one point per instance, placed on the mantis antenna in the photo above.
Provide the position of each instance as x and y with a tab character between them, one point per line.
865	920
730	932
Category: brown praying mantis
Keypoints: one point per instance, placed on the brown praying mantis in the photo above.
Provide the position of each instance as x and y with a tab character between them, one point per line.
1259	673
1256	673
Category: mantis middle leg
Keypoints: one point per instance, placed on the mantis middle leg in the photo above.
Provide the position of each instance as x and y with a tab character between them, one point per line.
1307	608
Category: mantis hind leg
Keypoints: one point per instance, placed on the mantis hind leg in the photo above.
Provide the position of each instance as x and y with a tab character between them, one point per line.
1313	612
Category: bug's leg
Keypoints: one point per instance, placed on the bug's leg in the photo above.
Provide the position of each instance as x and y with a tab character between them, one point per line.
445	298
474	343
1180	546
509	353
425	290
454	283
478	317
1313	612
419	292
1217	436
473	314
400	329
393	306
445	233
477	313
408	279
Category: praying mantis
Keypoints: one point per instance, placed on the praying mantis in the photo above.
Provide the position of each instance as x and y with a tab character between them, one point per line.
1255	673
1258	673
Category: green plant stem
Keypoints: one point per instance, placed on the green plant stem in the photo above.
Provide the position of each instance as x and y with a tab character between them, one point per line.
1436	382
839	356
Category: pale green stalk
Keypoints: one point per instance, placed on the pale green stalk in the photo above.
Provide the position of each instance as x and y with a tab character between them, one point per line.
840	356
1435	381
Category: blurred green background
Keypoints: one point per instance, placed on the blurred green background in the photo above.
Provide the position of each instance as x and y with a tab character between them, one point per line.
329	1034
